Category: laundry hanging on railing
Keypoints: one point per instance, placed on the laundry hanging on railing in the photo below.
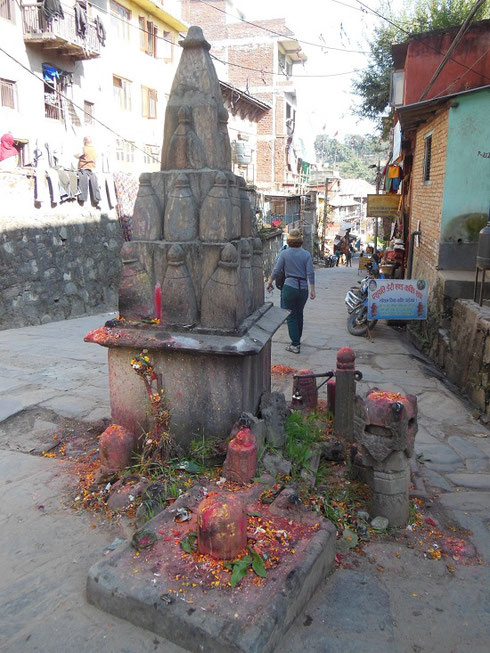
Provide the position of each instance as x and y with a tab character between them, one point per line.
52	9
100	29
81	19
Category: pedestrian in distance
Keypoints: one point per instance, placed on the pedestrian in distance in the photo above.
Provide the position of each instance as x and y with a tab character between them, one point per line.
296	264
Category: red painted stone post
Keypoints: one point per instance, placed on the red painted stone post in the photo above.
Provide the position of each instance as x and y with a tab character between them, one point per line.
116	448
307	388
345	390
221	526
241	459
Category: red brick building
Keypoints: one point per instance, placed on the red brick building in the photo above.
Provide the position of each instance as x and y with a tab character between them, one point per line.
259	59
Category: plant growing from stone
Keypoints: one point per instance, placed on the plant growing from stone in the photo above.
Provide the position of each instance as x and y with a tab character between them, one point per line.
158	443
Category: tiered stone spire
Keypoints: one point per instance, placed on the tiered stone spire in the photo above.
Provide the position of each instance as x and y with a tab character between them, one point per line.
193	220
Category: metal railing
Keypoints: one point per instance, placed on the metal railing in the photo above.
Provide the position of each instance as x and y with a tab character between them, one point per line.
35	24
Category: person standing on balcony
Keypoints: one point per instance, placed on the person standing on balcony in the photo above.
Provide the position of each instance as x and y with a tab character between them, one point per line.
297	266
86	173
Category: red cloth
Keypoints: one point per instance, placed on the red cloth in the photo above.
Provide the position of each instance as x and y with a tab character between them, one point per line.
7	148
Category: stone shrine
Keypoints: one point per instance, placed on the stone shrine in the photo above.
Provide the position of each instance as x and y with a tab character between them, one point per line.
193	238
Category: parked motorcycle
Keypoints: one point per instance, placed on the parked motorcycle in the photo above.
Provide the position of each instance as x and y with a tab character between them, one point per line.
357	307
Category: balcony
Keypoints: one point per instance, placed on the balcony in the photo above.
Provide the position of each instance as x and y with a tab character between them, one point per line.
60	34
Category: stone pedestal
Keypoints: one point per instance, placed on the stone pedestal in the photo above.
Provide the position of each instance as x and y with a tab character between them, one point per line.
208	379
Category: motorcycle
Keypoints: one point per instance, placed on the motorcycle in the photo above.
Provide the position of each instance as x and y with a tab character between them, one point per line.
357	306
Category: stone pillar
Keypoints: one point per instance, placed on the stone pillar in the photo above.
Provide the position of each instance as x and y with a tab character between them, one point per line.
345	390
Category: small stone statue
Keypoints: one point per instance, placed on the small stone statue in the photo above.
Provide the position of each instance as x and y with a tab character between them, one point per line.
385	426
274	410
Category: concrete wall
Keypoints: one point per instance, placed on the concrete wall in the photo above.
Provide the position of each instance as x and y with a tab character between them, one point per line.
467	181
55	263
425	53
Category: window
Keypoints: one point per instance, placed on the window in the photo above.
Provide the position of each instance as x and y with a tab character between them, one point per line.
148	37
124	151
120	17
88	113
8	95
427	157
285	65
149	102
122	92
6	9
166	46
152	154
53	101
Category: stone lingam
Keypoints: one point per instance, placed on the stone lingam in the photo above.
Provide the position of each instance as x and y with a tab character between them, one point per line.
192	289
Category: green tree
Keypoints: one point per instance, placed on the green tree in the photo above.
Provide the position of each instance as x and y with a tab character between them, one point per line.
373	84
354	156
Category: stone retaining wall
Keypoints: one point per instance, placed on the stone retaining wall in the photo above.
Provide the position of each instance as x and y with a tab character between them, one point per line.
272	243
457	337
60	271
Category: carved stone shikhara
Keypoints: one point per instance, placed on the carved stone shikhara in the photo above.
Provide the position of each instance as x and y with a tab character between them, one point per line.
194	236
385	425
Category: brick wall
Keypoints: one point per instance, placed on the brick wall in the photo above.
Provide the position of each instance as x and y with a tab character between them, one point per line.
251	55
427	197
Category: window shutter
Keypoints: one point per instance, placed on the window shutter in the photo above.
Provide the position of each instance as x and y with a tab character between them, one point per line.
144	101
142	24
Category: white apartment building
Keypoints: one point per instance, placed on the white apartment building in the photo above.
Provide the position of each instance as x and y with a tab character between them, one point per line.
68	64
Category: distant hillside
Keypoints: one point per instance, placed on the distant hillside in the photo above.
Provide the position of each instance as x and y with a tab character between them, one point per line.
353	156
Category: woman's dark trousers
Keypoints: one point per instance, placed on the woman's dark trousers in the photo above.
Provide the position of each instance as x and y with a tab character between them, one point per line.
294	299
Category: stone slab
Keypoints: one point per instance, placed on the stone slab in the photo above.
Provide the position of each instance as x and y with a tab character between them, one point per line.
434	479
470	501
250	342
439	454
249	618
464	448
474	481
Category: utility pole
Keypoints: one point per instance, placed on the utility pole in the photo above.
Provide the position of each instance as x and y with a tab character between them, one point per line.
378	180
325	215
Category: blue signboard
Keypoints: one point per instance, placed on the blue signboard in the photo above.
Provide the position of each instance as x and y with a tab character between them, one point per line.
397	299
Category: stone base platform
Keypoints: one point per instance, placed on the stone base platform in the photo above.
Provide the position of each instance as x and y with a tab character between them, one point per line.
187	597
208	378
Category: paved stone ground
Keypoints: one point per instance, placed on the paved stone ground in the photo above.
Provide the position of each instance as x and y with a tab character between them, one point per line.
394	601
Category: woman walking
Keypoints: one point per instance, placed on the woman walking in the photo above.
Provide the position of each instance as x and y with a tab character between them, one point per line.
296	265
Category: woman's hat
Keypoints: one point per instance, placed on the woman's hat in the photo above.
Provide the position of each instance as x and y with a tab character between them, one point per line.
295	236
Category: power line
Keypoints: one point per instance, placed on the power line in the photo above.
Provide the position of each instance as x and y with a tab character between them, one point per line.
414	36
270	72
80	108
258	70
271	31
441	93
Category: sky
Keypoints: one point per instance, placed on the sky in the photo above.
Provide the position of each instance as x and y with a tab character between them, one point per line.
324	102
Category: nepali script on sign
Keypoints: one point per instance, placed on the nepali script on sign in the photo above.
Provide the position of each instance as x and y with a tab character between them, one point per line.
397	299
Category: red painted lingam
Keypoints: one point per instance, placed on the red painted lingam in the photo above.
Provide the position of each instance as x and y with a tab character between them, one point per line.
241	459
221	526
116	447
